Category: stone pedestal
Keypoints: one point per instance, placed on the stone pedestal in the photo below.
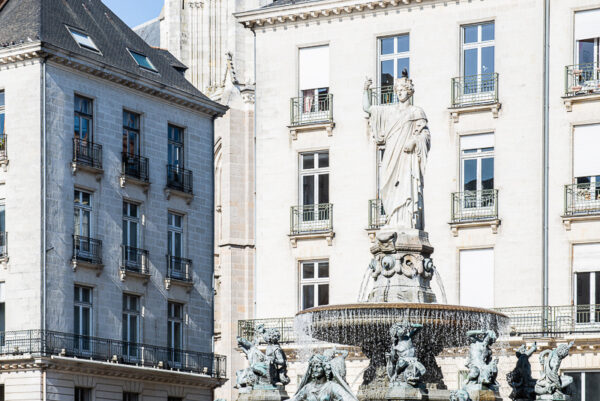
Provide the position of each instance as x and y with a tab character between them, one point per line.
553	397
480	392
266	393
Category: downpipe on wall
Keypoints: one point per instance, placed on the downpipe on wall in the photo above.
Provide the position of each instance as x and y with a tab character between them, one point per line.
546	165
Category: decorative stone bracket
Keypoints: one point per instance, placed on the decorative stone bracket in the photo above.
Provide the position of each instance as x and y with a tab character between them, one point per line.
75	264
568	220
75	167
124	273
185	284
493	224
294	129
493	107
186	196
569	101
328	235
124	180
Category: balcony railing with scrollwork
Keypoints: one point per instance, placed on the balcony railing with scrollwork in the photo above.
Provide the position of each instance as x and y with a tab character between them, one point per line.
250	328
377	215
308	219
311	110
474	89
582	79
43	343
179	268
474	206
134	259
87	249
582	199
135	166
382	95
86	153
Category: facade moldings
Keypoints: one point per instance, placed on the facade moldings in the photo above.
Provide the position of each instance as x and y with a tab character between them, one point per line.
569	101
492	224
494	108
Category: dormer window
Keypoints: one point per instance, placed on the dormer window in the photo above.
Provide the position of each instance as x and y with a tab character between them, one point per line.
142	61
83	40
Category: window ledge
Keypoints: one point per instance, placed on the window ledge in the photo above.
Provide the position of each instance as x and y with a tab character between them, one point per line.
125	179
568	220
493	107
320	125
328	235
75	167
169	282
124	273
188	197
570	100
98	267
492	223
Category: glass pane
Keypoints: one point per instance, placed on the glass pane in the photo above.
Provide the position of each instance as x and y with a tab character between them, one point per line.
2	317
85	321
133	240
308	296
387	46
308	270
583	288
85	198
142	60
470	62
586	51
387	73
125	334
308	190
323	294
575	387
403	63
84	129
86	295
597	283
324	160
592	385
487	173
487	31
583	180
308	161
403	44
470	34
178	244
323	269
1	98
487	60
1	122
470	175
323	188
76	325
177	335
133	328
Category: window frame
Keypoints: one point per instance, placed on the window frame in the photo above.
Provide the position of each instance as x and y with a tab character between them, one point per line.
172	321
152	67
476	45
129	313
128	220
478	155
3	112
127	130
73	31
173	143
79	305
79	206
315	282
582	374
172	230
82	115
82	394
392	56
130	396
315	172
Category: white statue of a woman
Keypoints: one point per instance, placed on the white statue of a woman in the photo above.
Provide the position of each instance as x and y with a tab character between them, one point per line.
402	128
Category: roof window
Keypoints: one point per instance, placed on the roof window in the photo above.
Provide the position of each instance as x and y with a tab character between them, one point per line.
142	61
83	40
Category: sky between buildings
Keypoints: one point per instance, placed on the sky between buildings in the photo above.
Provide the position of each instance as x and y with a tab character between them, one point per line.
135	12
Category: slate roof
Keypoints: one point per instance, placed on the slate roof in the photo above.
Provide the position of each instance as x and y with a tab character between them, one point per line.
150	32
24	21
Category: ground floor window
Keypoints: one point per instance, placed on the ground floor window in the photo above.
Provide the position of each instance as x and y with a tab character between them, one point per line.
314	283
586	385
130	396
81	394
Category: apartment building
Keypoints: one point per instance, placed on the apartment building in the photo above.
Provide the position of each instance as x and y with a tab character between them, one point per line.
510	190
106	274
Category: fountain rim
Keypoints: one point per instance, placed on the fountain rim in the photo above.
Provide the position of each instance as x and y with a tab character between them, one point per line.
400	305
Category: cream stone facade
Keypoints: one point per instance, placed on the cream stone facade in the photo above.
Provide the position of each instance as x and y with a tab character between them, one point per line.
479	73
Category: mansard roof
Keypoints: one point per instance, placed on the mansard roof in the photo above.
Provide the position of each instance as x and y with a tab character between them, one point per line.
46	21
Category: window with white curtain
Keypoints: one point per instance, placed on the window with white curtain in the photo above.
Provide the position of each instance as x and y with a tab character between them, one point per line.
313	78
586	163
477	267
587	36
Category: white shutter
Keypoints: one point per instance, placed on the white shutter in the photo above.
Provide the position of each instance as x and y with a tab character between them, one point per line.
586	257
587	24
477	141
477	277
314	67
586	142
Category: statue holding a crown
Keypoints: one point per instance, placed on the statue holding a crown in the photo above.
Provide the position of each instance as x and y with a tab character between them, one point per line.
402	128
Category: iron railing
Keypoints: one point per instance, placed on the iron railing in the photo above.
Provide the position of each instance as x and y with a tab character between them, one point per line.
377	215
86	153
582	79
3	244
135	166
474	89
311	110
553	320
582	199
43	343
87	249
3	154
248	328
179	268
134	259
180	179
307	219
381	95
474	205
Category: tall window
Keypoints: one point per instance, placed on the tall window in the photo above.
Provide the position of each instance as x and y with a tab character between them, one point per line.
478	62
476	267
586	163
175	146
586	267
175	331
83	119
587	42
314	78
2	312
131	133
314	178
477	170
131	229
3	238
83	394
131	324
314	283
83	213
130	396
394	57
2	131
586	385
83	317
175	235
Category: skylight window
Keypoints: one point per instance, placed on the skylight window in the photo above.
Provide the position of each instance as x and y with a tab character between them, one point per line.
142	61
83	40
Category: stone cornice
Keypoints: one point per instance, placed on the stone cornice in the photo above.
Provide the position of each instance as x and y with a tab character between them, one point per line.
315	10
31	51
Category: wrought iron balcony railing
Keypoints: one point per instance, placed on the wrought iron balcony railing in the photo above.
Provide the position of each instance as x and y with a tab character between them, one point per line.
249	328
381	95
3	244
475	89
86	153
87	249
308	219
179	268
582	199
474	205
3	154
135	166
134	259
377	215
311	110
42	343
582	79
180	179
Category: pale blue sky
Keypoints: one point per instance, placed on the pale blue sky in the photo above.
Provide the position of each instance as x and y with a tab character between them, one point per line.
135	12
